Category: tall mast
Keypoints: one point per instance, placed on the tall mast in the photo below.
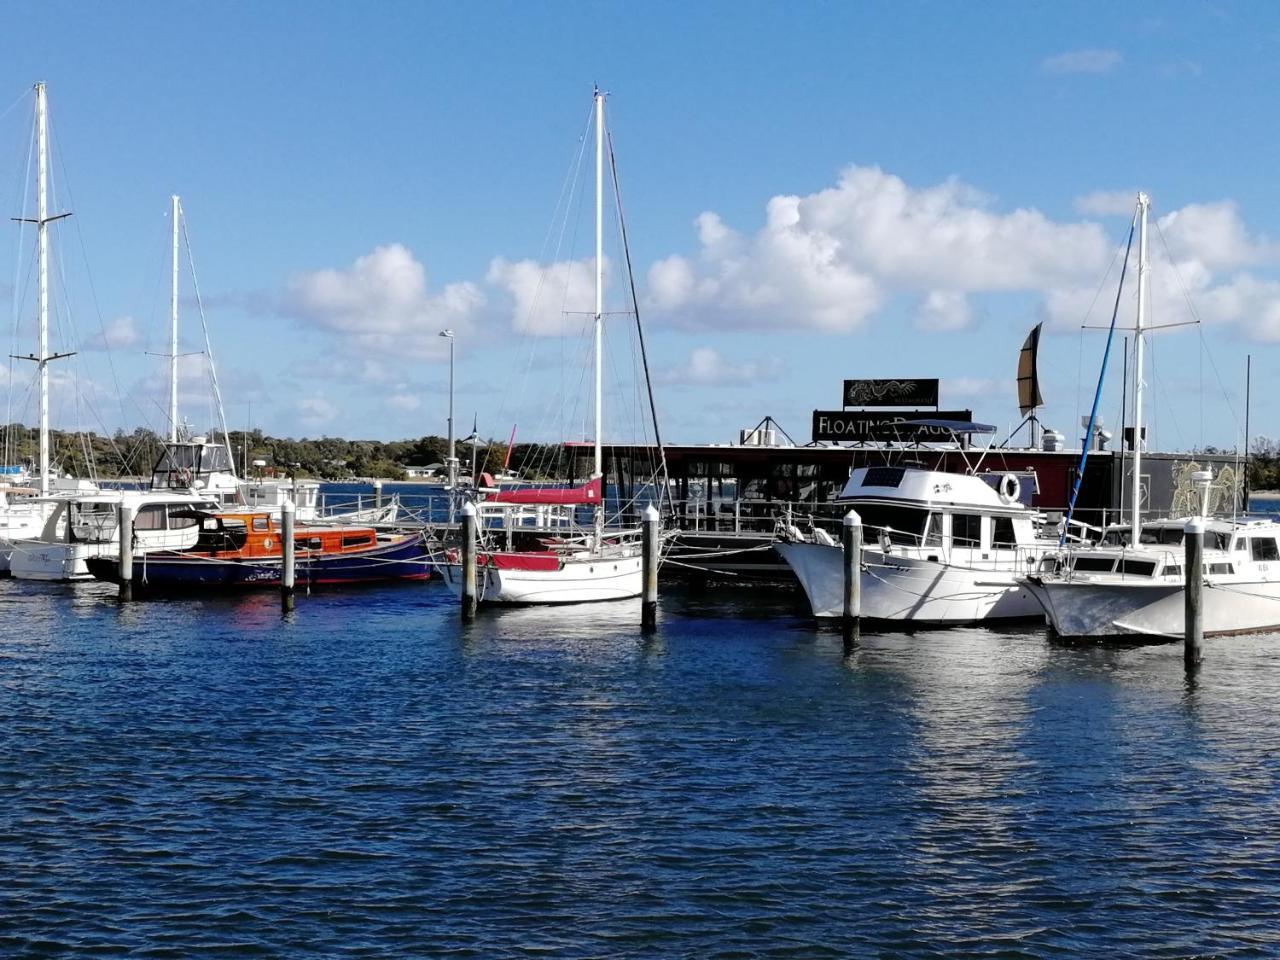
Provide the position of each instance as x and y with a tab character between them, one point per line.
42	233
599	324
173	330
1136	490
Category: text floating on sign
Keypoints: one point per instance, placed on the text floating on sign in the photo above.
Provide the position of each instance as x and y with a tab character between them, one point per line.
859	425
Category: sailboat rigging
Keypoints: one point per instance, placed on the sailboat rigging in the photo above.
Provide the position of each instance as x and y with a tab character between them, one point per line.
1132	582
533	550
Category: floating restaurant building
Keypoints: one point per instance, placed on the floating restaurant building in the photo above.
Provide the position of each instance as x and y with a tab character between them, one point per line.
728	498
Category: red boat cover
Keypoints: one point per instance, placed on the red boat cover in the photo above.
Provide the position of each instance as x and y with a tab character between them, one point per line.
587	493
521	561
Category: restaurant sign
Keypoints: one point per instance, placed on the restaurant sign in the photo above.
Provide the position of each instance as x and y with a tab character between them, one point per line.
891	393
860	425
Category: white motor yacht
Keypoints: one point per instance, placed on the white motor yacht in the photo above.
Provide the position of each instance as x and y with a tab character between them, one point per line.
1117	589
938	548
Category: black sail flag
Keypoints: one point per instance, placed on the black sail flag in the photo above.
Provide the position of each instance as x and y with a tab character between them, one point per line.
1028	376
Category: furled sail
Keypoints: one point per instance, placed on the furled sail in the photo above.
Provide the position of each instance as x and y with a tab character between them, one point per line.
1028	376
588	493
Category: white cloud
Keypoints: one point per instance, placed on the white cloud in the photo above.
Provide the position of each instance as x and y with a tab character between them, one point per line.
115	334
548	300
707	368
1082	61
1107	203
944	310
1245	300
829	260
382	301
1213	235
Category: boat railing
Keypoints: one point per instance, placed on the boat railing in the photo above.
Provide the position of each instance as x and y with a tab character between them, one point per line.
700	515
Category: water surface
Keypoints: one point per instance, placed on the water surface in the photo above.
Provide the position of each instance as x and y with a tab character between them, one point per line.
371	778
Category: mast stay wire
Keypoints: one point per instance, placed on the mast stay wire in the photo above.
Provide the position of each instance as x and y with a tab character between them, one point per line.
1205	351
635	304
93	288
559	217
208	347
14	301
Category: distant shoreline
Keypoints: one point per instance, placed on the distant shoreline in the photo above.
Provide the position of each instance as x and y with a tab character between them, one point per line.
1264	494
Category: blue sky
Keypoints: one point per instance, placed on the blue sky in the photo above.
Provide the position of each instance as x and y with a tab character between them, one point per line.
813	192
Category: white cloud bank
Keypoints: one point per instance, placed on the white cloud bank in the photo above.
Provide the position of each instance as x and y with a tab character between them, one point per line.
382	302
827	262
830	260
548	300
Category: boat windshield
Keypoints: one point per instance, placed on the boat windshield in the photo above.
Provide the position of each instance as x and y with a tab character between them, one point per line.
219	534
1164	536
905	525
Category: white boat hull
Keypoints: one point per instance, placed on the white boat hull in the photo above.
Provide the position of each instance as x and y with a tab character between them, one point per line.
36	560
20	523
576	581
1081	608
908	589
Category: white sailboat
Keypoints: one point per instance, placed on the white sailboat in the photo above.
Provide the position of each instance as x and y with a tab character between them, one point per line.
22	516
191	474
534	552
1132	582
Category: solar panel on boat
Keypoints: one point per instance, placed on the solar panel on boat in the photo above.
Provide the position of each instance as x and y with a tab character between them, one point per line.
883	476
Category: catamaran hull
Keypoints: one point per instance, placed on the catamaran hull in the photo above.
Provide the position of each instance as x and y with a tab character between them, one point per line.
905	589
576	581
403	559
1079	609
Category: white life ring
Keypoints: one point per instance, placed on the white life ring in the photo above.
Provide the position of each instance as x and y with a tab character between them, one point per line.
1009	488
266	544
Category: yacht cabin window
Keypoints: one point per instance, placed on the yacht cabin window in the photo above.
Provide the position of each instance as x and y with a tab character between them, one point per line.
1002	535
182	517
905	525
1264	549
150	517
966	530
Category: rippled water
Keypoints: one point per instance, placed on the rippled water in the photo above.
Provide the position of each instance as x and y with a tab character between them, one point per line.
371	778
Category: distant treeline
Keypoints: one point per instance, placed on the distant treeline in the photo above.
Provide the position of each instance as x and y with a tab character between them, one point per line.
328	458
1264	464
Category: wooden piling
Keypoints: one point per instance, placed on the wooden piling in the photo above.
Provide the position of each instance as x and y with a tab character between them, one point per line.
289	556
124	526
468	561
651	547
377	494
1193	569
